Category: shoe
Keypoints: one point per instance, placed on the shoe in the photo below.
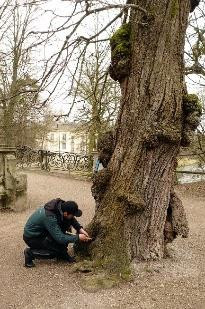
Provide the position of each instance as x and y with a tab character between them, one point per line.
28	258
67	258
71	259
42	254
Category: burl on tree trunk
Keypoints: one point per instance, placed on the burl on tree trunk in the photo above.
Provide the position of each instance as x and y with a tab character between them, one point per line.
137	211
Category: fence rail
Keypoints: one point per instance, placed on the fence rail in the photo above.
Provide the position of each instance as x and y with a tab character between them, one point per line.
191	172
47	160
66	161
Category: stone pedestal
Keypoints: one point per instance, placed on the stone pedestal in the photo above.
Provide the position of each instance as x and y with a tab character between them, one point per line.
13	186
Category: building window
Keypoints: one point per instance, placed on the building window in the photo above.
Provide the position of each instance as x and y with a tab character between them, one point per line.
63	145
72	144
52	137
64	137
82	144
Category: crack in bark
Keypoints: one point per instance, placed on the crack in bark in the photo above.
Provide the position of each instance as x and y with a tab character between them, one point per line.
194	4
105	147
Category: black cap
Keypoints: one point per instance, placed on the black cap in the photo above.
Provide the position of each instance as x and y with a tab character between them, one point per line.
72	208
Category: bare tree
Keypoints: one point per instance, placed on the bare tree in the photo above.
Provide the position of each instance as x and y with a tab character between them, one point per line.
99	96
56	66
197	147
195	46
18	90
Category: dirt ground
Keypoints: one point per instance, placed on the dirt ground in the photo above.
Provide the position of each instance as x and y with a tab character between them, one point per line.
177	283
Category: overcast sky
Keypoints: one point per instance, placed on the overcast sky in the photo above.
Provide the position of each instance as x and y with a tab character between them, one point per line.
45	18
60	101
87	28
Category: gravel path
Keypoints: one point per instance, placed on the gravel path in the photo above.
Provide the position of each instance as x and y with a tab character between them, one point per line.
177	283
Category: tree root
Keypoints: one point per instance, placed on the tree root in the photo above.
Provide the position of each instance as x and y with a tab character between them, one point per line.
96	282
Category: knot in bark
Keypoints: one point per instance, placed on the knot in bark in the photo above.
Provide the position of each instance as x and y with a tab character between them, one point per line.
192	111
166	133
100	182
133	202
105	147
120	53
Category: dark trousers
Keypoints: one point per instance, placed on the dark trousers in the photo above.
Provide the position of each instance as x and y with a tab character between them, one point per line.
48	244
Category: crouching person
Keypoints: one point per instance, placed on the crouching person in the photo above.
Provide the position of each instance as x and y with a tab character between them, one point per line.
45	231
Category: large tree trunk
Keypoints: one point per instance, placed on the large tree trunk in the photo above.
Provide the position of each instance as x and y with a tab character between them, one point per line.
133	192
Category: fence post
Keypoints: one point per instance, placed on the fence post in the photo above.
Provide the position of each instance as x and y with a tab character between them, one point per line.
41	159
46	161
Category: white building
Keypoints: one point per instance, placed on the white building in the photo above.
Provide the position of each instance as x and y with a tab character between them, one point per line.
66	138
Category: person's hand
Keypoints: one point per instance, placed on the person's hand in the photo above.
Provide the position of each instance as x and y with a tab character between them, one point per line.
83	237
82	231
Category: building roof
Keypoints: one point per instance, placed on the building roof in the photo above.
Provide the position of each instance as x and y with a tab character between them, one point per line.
66	127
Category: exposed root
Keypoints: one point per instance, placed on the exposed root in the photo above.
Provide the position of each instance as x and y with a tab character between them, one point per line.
96	282
84	266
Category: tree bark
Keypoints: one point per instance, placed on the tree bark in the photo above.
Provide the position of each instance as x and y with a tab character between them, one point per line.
133	191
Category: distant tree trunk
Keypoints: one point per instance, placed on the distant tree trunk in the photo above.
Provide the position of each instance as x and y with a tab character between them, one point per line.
9	127
91	140
95	128
133	192
12	100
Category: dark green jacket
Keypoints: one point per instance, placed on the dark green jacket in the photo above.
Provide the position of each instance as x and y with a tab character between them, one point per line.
42	222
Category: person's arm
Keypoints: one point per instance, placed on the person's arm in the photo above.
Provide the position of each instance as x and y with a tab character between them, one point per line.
78	227
82	231
51	225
